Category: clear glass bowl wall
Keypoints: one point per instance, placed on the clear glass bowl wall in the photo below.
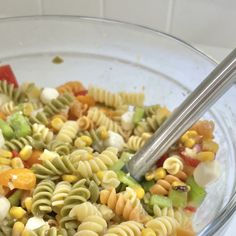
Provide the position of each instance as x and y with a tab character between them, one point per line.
123	57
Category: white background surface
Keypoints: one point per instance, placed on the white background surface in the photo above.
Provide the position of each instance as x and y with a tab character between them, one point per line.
207	24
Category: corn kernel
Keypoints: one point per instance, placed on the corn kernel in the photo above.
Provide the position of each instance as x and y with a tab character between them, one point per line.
88	141
139	192
205	156
100	175
160	173
17	229
57	123
103	133
28	203
149	176
189	138
70	178
148	232
210	145
5	161
17	212
5	153
17	163
79	143
26	152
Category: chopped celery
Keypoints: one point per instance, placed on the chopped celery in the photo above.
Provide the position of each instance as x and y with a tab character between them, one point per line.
126	179
126	156
118	165
161	201
138	114
196	194
15	198
7	131
178	198
20	125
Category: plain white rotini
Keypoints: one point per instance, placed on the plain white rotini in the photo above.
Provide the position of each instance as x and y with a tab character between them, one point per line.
106	97
99	163
173	165
134	143
61	191
164	226
178	214
106	212
92	225
128	228
68	132
41	132
84	210
110	179
84	123
134	99
8	107
100	119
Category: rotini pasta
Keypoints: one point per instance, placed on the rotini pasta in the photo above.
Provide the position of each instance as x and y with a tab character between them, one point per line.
120	205
128	228
14	93
42	195
41	132
85	123
18	144
134	99
61	191
105	97
163	186
8	108
54	168
73	87
67	132
60	147
101	162
100	119
164	225
109	179
173	165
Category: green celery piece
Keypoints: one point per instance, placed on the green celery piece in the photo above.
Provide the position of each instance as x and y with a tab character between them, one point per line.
20	125
126	179
15	198
118	165
7	131
138	114
196	194
147	184
161	201
178	198
126	156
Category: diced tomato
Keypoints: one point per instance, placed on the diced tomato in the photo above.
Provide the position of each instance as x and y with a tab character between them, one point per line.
82	93
7	74
190	208
15	153
190	161
161	160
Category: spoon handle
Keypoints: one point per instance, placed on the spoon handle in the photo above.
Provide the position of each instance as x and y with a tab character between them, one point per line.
190	110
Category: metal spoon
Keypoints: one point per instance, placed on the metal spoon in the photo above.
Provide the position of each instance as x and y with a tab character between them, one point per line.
191	109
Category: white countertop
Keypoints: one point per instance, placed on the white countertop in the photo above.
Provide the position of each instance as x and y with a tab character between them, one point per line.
218	54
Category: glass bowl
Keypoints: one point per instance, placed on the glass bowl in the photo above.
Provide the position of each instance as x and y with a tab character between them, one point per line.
125	57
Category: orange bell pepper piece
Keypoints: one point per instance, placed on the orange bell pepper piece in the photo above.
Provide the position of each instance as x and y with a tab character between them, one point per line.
86	100
18	178
34	159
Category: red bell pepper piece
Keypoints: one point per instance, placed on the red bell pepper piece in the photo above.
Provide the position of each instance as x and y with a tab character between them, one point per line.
7	74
